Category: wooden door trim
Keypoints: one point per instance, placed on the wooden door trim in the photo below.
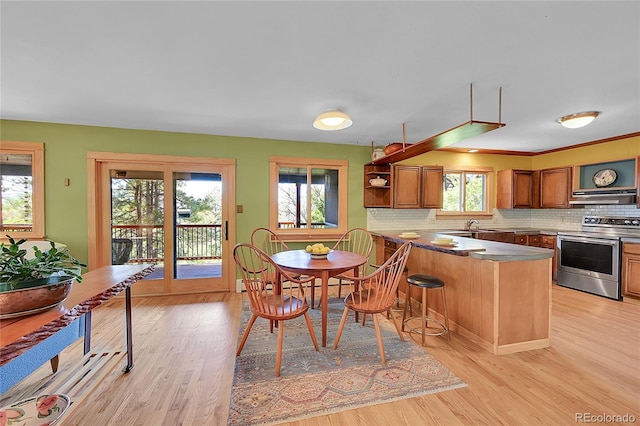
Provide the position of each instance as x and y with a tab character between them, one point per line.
97	204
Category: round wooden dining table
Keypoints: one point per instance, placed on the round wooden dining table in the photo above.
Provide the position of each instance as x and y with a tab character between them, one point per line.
337	262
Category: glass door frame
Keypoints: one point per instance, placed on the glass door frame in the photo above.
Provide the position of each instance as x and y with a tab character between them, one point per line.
99	204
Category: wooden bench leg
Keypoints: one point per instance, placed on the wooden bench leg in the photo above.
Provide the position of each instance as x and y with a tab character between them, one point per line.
55	361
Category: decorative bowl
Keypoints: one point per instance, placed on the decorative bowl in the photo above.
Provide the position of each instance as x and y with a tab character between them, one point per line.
393	147
409	235
35	296
378	181
319	255
37	410
443	241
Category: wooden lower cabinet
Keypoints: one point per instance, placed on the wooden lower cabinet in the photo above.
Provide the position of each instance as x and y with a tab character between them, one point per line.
544	241
549	242
631	269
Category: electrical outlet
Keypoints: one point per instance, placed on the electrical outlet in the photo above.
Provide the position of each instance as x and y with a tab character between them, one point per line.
239	208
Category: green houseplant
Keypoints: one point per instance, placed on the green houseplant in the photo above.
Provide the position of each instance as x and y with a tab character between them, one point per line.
28	285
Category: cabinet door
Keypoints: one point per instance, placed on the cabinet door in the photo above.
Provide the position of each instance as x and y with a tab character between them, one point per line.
631	270
406	187
515	189
432	187
555	188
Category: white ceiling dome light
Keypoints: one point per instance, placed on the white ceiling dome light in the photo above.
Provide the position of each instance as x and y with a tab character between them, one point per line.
577	120
332	120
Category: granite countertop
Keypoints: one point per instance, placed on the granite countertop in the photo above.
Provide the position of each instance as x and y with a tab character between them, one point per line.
479	249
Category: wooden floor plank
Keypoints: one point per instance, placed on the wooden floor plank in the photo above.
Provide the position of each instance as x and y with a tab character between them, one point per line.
184	350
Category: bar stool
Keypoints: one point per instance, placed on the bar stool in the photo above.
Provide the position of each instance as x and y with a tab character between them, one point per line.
426	282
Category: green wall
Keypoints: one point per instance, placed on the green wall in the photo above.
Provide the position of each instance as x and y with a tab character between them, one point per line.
66	148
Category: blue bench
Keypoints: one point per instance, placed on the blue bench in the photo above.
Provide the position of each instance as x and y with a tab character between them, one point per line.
20	367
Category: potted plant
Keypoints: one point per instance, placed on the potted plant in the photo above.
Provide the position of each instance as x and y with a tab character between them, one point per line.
29	285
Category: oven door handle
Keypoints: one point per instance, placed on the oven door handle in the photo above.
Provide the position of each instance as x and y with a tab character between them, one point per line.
588	240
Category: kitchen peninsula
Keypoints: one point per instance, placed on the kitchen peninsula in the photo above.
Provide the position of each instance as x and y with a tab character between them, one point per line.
498	294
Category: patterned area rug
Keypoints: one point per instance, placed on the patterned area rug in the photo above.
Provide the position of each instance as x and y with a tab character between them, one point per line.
315	383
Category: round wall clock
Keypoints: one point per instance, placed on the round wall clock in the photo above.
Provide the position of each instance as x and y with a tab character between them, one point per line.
604	177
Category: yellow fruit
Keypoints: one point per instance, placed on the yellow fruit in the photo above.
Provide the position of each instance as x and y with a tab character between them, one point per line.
309	249
325	250
316	250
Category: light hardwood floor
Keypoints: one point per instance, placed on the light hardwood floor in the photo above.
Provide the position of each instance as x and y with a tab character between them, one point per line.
184	349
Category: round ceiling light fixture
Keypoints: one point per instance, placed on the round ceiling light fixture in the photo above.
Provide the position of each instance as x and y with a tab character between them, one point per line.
580	119
332	120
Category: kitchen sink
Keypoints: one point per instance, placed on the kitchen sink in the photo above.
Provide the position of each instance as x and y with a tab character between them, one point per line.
483	234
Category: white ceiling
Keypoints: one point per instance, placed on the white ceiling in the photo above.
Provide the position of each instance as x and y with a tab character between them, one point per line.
265	69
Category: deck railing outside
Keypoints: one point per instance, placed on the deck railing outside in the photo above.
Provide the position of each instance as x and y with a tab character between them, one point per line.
193	242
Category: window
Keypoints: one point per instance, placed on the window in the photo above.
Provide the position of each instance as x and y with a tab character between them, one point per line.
22	194
308	197
466	191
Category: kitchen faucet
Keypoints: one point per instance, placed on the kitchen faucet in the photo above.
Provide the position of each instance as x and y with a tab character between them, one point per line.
470	223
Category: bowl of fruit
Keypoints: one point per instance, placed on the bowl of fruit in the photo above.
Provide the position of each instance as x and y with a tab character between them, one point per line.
318	251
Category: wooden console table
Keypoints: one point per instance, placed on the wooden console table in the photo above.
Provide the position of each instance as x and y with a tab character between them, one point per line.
19	335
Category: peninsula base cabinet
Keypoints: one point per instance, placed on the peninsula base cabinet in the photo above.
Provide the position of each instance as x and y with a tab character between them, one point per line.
504	306
631	269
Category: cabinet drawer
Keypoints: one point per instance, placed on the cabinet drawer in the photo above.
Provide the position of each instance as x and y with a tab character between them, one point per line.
547	241
631	248
533	240
390	244
521	239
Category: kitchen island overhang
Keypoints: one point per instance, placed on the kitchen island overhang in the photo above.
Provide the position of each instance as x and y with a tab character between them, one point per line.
498	294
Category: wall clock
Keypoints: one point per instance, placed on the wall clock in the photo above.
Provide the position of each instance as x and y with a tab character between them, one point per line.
604	177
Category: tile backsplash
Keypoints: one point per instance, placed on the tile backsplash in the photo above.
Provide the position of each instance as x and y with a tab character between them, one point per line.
553	219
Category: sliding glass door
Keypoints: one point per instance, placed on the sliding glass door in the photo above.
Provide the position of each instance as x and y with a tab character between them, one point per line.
175	216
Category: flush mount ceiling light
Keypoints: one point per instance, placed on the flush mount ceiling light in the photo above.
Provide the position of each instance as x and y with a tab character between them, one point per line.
580	119
332	120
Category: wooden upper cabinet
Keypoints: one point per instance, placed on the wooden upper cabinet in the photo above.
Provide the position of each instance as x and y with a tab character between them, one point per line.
432	187
407	187
515	189
555	188
416	187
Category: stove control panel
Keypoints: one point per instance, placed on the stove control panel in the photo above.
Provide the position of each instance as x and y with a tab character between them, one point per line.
614	222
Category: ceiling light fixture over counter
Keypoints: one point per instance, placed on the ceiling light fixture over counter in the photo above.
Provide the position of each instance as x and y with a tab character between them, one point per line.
332	120
580	119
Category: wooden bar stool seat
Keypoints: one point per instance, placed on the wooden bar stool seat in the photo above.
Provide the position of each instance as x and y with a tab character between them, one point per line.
426	282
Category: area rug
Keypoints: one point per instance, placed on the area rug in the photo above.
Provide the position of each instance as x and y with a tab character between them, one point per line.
329	381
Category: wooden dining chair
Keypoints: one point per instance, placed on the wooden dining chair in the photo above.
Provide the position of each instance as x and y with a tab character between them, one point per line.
377	294
356	240
266	301
269	242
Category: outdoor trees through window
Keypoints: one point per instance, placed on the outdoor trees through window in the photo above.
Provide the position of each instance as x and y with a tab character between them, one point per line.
308	194
465	191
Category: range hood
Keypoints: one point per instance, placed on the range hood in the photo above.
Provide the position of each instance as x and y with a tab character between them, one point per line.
603	196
